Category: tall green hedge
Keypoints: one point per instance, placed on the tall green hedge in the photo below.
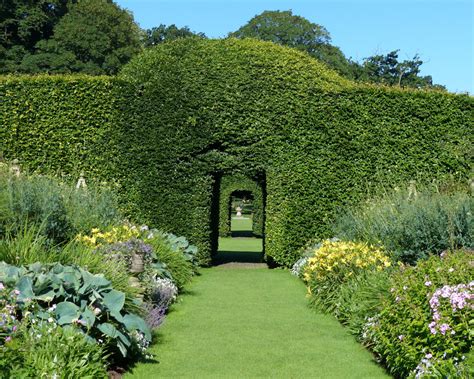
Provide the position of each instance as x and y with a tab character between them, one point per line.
58	124
230	184
182	116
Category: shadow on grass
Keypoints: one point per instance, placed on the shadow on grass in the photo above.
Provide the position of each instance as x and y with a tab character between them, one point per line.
223	257
242	233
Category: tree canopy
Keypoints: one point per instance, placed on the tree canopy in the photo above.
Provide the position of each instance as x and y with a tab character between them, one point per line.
90	36
23	23
285	28
163	33
387	69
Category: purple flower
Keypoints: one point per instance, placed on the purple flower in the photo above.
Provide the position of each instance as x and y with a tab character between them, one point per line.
428	283
2	287
444	328
401	337
432	326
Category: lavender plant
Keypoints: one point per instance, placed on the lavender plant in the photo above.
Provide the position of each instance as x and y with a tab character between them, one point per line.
154	315
163	292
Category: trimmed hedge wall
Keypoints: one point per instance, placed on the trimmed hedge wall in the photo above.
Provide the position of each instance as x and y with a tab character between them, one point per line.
183	115
58	124
229	184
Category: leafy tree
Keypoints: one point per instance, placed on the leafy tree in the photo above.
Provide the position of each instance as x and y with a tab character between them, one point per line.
23	23
163	33
95	37
284	28
387	69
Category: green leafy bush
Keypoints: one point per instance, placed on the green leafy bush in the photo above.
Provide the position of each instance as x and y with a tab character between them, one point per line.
29	246
427	317
46	350
413	227
181	244
334	263
80	298
174	260
36	200
59	211
361	298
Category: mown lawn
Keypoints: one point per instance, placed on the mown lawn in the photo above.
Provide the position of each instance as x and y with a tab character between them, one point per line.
248	323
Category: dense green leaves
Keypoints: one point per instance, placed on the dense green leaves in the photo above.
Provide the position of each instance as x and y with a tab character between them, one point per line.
186	113
285	28
163	33
77	297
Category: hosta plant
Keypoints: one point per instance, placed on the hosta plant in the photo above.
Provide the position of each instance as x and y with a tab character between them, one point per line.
77	297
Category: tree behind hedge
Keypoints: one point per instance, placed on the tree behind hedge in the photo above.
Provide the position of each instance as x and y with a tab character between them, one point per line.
93	37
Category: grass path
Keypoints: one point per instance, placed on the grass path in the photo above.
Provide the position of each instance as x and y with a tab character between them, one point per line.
250	323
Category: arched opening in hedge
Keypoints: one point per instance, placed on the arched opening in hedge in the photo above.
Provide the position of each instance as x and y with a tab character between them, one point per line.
228	189
240	214
251	194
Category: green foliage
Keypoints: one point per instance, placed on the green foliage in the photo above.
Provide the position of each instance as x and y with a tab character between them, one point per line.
411	327
27	246
230	184
285	28
412	227
181	245
23	24
174	260
114	270
335	263
361	298
56	211
46	350
92	37
388	70
163	33
78	297
186	112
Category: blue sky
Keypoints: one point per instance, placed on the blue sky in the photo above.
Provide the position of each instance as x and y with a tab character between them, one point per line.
440	31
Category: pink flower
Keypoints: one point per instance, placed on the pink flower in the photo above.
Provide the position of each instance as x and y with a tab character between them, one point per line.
8	339
401	337
16	292
2	287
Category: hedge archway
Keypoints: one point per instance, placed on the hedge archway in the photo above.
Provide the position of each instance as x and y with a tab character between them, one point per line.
183	115
230	184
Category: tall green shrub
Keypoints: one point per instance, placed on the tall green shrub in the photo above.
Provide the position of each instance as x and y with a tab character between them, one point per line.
57	210
412	227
